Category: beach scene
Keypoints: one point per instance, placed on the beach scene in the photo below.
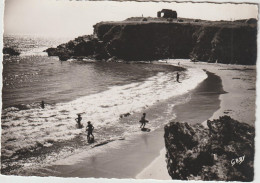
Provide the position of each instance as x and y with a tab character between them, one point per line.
129	90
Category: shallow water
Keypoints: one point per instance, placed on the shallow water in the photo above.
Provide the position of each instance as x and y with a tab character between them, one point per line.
136	152
101	92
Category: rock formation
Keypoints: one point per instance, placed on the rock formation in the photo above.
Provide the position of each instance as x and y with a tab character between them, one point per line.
82	46
223	151
10	51
159	38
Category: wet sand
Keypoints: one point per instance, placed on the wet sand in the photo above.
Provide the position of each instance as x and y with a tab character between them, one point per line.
239	83
133	155
238	101
230	91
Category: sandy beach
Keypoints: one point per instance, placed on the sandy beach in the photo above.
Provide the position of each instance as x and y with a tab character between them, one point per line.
143	156
239	83
228	90
117	66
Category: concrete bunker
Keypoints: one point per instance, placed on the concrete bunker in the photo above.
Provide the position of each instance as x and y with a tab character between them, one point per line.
167	13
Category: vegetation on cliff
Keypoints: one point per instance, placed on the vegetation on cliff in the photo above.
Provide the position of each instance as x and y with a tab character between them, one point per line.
223	151
156	38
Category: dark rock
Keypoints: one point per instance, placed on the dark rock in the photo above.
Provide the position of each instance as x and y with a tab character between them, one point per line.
10	51
51	51
218	42
84	49
251	21
224	151
132	40
64	57
81	46
225	45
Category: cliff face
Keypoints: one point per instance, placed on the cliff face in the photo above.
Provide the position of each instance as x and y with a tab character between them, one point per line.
146	41
224	151
136	40
235	44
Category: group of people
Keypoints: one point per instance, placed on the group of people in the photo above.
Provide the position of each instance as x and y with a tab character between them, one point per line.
89	127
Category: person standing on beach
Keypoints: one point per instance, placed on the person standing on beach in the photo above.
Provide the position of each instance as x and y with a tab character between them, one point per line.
143	121
177	77
78	120
90	129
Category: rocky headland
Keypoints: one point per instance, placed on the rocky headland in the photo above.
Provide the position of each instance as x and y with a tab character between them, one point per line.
223	151
143	39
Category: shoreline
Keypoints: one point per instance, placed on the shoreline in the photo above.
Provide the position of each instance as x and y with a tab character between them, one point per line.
134	154
50	153
239	83
143	156
227	104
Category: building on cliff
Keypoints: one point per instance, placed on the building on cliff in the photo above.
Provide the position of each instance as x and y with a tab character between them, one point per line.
167	13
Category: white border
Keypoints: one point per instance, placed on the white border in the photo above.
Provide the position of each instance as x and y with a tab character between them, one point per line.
16	179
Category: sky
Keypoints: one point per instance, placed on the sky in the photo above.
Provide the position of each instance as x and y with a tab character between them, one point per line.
71	18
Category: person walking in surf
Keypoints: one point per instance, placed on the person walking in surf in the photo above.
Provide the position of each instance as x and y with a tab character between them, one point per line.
143	121
177	77
90	129
78	120
42	105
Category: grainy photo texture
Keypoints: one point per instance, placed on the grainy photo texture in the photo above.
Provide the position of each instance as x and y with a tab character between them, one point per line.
140	90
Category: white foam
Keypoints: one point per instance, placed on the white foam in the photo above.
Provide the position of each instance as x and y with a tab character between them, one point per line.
29	127
35	52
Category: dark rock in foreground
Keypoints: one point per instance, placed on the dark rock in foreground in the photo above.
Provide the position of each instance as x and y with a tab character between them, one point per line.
224	151
160	38
10	51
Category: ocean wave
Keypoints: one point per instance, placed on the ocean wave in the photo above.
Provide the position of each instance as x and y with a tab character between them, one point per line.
35	52
26	129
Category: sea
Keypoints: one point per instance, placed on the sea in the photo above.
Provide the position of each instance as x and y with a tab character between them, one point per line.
113	96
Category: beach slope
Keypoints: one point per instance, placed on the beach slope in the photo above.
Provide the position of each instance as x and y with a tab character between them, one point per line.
238	101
